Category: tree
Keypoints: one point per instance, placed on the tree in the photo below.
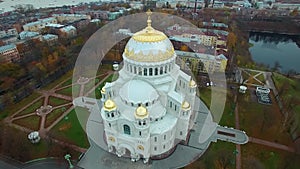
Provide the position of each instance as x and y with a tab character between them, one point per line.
294	12
223	159
184	48
206	3
231	41
277	66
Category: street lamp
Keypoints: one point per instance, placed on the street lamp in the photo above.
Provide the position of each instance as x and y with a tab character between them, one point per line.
67	157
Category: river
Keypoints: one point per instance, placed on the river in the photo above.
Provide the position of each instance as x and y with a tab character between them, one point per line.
7	5
269	48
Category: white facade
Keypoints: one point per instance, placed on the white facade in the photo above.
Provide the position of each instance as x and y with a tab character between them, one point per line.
147	110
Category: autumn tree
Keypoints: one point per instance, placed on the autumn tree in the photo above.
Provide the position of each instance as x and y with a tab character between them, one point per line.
231	41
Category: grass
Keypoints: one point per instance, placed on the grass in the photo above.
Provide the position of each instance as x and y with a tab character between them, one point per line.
31	122
18	147
15	107
289	90
54	101
261	121
54	114
258	156
66	83
96	93
68	91
216	153
70	130
32	108
227	118
104	68
60	80
261	78
292	87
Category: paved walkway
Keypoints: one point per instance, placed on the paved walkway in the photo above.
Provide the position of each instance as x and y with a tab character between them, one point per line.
270	84
272	144
43	130
238	156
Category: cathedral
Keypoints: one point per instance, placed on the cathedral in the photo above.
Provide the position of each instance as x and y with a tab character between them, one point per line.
151	113
148	109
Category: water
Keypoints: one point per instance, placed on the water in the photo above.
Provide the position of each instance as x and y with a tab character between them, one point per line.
6	5
270	48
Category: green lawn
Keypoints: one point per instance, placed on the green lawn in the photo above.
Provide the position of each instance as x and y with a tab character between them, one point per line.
96	93
104	68
66	83
54	114
70	130
54	101
18	147
291	86
289	92
217	155
32	108
261	78
68	91
15	107
261	121
258	157
60	80
31	122
227	118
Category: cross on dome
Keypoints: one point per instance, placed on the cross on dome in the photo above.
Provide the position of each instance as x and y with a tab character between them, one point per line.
149	13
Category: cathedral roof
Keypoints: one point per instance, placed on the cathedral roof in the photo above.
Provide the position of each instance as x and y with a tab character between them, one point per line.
149	45
138	91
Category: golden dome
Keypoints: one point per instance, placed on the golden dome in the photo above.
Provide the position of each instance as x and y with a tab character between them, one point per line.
149	45
141	113
103	90
109	105
192	83
149	35
185	106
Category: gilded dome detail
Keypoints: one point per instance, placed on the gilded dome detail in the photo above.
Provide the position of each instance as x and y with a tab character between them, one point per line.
149	45
109	105
150	56
141	113
192	84
185	106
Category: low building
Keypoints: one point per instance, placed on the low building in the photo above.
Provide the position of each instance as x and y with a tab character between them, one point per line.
50	39
208	37
8	32
37	26
286	6
103	15
199	62
8	36
113	15
28	35
67	32
8	39
69	18
9	53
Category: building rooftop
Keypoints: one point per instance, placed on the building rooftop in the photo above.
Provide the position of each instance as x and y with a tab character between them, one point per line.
7	47
49	36
68	28
28	34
